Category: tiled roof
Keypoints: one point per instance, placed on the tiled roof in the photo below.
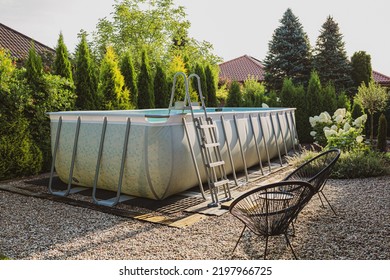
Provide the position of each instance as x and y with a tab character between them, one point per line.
240	68
19	44
381	79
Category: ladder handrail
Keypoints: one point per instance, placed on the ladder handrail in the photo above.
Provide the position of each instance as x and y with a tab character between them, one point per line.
174	87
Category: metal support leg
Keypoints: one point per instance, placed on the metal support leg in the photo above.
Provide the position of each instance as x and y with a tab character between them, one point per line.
281	132
276	139
241	149
294	127
194	159
69	189
256	145
228	149
265	143
59	125
118	198
291	132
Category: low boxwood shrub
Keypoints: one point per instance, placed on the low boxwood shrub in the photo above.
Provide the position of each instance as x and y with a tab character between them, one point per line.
353	164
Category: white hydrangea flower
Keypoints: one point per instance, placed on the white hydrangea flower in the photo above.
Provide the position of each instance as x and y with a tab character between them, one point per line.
334	127
347	127
339	119
312	122
324	117
340	112
313	133
330	132
264	105
359	139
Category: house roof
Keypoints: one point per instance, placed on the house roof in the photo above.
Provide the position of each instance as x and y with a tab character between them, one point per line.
19	44
381	79
240	68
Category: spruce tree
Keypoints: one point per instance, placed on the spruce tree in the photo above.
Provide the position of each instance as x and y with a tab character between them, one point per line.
128	72
211	87
62	64
330	58
111	88
145	84
161	91
288	54
234	96
361	68
85	77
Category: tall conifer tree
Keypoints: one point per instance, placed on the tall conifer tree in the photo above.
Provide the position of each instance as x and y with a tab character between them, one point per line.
128	72
62	65
211	87
145	84
314	95
111	90
85	77
288	55
161	91
361	68
199	70
330	58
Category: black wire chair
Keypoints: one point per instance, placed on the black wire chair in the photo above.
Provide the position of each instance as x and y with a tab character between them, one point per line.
316	171
268	210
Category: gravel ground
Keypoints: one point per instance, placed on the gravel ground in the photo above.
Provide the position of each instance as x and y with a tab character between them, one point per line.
33	228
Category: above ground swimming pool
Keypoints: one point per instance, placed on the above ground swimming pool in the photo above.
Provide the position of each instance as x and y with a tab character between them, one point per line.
150	154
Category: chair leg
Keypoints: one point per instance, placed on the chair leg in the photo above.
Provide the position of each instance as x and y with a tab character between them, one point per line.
266	246
289	244
292	229
327	201
322	203
242	232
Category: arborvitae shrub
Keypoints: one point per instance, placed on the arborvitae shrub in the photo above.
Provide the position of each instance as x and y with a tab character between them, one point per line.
382	133
314	95
85	77
211	87
357	110
111	88
234	97
161	91
62	64
19	155
199	70
128	72
329	99
145	84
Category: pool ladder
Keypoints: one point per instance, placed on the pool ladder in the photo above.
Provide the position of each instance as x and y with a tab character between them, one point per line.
209	146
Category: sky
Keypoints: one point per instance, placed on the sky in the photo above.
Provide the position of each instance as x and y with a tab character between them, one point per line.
234	27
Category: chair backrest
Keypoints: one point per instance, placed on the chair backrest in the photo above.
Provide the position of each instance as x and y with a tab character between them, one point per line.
317	170
268	210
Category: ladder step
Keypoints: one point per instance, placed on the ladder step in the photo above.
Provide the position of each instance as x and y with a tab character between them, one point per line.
221	183
211	145
204	126
215	164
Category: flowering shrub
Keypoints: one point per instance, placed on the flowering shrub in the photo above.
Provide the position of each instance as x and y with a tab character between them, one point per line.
338	130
